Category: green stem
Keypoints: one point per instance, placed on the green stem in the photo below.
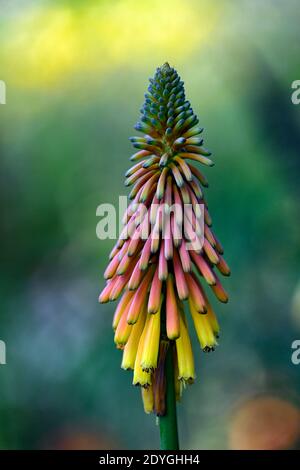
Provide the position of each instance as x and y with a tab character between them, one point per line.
168	422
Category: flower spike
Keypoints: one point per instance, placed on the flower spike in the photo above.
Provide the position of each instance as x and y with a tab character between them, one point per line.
167	252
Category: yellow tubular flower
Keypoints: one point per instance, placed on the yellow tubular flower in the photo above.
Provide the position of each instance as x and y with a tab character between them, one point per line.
123	329
130	350
141	377
127	296
203	329
186	367
177	381
213	320
151	342
148	399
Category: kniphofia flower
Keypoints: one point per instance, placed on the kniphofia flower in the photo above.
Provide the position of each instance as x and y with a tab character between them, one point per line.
159	278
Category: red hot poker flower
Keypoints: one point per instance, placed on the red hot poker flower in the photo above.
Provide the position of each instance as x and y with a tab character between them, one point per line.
167	250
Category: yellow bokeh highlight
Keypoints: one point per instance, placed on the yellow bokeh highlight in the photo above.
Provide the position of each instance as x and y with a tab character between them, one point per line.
46	45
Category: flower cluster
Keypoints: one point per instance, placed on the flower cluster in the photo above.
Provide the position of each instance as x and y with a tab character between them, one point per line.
154	275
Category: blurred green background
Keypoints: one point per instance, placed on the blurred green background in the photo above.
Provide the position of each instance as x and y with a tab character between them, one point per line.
76	72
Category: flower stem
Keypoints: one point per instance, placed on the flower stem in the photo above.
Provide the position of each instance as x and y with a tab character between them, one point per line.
168	422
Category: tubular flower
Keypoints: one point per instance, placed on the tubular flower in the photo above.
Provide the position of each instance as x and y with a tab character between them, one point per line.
167	250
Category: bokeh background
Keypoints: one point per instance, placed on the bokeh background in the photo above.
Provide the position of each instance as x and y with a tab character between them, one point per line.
76	72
